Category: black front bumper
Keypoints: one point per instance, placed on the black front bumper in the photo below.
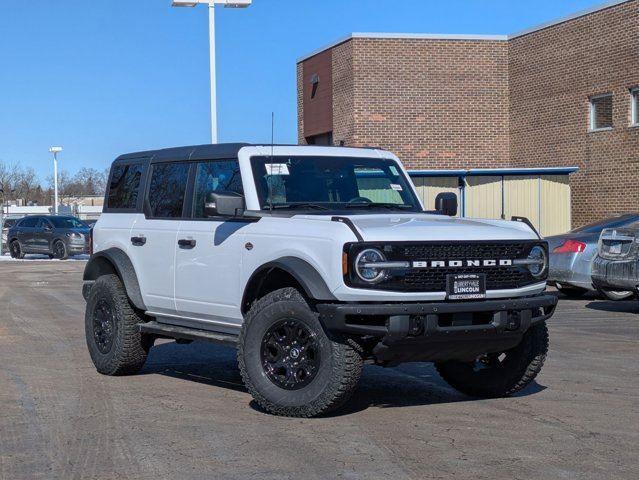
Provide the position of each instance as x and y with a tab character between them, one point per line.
438	331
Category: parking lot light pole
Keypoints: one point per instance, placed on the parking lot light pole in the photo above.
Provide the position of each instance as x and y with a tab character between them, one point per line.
55	151
212	4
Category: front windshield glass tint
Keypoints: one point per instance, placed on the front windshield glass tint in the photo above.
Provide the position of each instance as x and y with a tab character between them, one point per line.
67	222
331	183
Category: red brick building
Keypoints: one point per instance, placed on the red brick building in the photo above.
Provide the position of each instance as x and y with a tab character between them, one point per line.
561	94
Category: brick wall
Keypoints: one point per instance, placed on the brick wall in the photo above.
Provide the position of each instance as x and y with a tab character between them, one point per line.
553	72
436	103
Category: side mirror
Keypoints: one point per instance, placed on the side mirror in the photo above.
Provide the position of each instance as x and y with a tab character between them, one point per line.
224	204
446	204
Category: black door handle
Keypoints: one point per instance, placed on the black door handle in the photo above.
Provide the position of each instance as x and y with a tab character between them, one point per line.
138	241
186	243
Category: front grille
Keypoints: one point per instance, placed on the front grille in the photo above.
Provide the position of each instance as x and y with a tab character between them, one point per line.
434	279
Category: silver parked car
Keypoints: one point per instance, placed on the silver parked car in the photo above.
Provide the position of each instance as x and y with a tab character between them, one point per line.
572	254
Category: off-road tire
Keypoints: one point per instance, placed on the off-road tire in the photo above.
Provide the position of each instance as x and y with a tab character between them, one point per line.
16	250
615	296
520	367
340	361
129	348
60	250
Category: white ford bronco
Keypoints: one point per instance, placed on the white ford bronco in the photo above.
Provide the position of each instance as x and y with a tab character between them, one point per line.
311	261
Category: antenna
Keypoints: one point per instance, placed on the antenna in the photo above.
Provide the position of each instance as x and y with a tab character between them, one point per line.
270	188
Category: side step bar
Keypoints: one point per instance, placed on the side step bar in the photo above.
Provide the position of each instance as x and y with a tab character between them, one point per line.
183	333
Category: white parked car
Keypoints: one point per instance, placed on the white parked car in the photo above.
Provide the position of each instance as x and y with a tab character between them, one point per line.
311	260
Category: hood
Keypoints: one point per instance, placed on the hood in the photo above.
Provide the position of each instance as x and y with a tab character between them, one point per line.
426	227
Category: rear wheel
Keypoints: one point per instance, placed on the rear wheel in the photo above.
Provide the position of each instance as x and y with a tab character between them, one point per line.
616	296
113	337
571	292
60	250
16	250
500	374
288	363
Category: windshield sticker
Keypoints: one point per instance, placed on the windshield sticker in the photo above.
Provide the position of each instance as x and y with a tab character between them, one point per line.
276	169
396	187
393	170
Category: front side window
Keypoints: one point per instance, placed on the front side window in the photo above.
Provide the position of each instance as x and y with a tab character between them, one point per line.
601	112
124	186
332	183
215	176
635	106
167	189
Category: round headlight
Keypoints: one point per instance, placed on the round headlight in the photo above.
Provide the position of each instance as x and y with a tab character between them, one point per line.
539	261
367	273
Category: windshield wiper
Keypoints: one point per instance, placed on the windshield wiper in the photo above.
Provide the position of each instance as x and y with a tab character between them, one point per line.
293	206
390	206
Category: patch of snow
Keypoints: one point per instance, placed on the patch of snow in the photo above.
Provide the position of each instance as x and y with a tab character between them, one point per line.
42	258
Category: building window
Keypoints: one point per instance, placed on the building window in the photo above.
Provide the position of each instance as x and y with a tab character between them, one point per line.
634	108
601	112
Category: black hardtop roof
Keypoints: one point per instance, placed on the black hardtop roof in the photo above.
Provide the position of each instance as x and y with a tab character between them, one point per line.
222	150
199	152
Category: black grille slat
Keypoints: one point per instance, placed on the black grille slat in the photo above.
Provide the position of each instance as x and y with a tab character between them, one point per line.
434	279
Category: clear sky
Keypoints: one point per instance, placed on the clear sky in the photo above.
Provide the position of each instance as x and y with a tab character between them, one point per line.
103	77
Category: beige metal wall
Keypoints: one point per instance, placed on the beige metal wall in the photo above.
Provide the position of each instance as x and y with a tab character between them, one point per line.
429	187
521	198
555	204
483	197
544	200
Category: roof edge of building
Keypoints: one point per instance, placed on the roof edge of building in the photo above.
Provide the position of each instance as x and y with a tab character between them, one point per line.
494	171
567	18
453	36
418	36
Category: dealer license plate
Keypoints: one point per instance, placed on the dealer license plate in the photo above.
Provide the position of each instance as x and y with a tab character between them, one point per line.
466	286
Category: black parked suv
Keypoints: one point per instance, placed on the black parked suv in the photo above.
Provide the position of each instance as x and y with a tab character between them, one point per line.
55	235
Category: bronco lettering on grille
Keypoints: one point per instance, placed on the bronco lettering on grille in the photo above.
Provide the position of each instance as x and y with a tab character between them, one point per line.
462	263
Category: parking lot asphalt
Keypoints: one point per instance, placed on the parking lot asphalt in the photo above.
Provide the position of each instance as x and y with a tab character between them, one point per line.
187	415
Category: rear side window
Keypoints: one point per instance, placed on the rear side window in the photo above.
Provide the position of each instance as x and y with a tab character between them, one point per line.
215	176
125	186
167	189
29	222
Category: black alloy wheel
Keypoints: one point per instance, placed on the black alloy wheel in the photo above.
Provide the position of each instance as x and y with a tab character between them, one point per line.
104	326
15	250
59	250
290	354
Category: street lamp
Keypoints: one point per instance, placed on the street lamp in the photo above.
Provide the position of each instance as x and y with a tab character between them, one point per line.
55	151
212	4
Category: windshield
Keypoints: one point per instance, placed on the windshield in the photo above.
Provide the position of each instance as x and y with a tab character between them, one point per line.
331	183
615	222
67	222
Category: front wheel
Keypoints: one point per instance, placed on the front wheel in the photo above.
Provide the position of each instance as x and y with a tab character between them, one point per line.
500	374
288	363
16	250
60	250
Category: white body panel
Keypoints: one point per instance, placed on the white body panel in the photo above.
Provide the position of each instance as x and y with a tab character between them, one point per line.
154	262
208	276
206	284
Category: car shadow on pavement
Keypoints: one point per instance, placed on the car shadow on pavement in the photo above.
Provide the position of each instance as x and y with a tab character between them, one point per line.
409	385
626	306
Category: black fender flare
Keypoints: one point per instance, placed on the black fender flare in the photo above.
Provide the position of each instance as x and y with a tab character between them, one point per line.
121	263
303	272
